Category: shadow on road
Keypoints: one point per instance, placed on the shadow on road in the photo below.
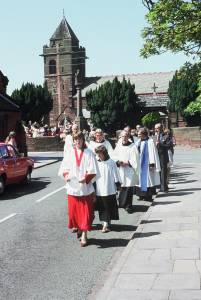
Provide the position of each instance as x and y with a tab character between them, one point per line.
108	243
116	227
150	221
139	235
18	190
165	203
176	193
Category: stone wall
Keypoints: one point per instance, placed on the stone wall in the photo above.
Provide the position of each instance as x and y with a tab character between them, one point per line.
44	144
188	136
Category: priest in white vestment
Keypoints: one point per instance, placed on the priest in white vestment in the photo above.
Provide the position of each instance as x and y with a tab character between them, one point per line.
149	174
100	141
127	158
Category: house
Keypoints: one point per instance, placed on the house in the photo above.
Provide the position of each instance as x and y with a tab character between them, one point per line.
9	111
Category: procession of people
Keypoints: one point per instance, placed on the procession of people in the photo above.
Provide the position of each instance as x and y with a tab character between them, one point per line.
103	178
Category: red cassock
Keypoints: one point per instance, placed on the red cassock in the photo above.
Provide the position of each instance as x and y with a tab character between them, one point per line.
80	212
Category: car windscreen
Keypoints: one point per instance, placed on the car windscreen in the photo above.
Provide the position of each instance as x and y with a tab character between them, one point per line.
4	153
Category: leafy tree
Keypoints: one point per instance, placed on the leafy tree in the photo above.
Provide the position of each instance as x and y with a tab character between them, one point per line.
35	101
150	119
113	105
193	111
183	87
172	25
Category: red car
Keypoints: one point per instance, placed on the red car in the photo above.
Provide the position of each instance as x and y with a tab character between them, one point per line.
13	167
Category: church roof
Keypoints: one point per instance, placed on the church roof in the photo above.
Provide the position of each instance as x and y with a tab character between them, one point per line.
64	31
150	87
6	103
144	82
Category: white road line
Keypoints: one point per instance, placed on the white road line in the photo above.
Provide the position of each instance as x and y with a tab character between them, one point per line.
50	194
6	218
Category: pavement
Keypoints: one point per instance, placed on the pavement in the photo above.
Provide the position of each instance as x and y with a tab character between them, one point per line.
162	261
42	159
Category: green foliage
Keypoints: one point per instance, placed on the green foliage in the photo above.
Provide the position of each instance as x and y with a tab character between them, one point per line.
183	87
150	119
113	105
192	112
35	101
173	25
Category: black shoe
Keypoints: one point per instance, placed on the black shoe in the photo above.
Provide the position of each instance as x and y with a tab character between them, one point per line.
129	210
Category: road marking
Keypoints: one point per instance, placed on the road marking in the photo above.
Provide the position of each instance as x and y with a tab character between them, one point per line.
6	218
50	194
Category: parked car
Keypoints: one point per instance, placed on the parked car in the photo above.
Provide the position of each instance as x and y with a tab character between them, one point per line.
13	167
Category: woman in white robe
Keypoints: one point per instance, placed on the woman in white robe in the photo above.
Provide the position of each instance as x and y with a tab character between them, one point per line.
127	158
149	174
106	188
79	169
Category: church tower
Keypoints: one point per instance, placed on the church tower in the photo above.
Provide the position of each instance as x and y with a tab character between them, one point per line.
63	58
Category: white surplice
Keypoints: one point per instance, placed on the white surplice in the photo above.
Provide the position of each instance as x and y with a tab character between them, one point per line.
93	145
109	175
68	143
153	174
88	165
127	153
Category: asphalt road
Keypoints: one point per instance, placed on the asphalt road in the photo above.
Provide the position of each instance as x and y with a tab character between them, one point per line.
39	257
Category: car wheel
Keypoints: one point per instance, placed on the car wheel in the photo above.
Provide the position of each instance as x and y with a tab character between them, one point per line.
2	185
27	179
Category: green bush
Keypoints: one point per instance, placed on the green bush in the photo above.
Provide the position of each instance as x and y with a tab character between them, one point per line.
150	119
192	113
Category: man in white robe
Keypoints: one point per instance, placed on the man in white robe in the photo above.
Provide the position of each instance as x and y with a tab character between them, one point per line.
100	141
127	158
149	172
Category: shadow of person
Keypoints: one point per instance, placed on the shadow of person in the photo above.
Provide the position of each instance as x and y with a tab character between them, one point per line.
150	221
173	194
164	203
108	243
139	235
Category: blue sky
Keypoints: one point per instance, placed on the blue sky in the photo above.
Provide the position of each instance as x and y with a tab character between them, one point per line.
110	30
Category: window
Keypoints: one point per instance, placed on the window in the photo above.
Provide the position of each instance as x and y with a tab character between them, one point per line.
52	67
4	153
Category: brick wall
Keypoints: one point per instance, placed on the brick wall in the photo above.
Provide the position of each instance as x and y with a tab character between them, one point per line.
44	144
188	136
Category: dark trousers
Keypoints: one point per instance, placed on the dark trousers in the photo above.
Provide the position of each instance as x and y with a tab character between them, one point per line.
164	176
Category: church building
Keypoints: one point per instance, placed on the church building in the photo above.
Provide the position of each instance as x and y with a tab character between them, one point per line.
64	58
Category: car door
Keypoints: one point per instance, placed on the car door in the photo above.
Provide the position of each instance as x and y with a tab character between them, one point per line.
20	166
8	164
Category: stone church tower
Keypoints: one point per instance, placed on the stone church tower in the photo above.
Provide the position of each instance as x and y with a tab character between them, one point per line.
63	58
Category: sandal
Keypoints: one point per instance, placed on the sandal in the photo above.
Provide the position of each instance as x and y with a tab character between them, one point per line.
79	234
105	230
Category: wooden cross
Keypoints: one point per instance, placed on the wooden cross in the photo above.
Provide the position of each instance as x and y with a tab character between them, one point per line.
154	87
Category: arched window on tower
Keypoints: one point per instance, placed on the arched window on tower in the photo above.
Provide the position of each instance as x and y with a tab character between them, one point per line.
52	66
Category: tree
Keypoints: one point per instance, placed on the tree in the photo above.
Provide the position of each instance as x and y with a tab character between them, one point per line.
173	25
113	105
193	111
183	87
34	101
150	119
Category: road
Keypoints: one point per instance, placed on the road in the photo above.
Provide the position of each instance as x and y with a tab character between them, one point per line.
39	257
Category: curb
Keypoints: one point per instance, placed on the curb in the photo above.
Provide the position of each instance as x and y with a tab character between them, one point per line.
46	164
